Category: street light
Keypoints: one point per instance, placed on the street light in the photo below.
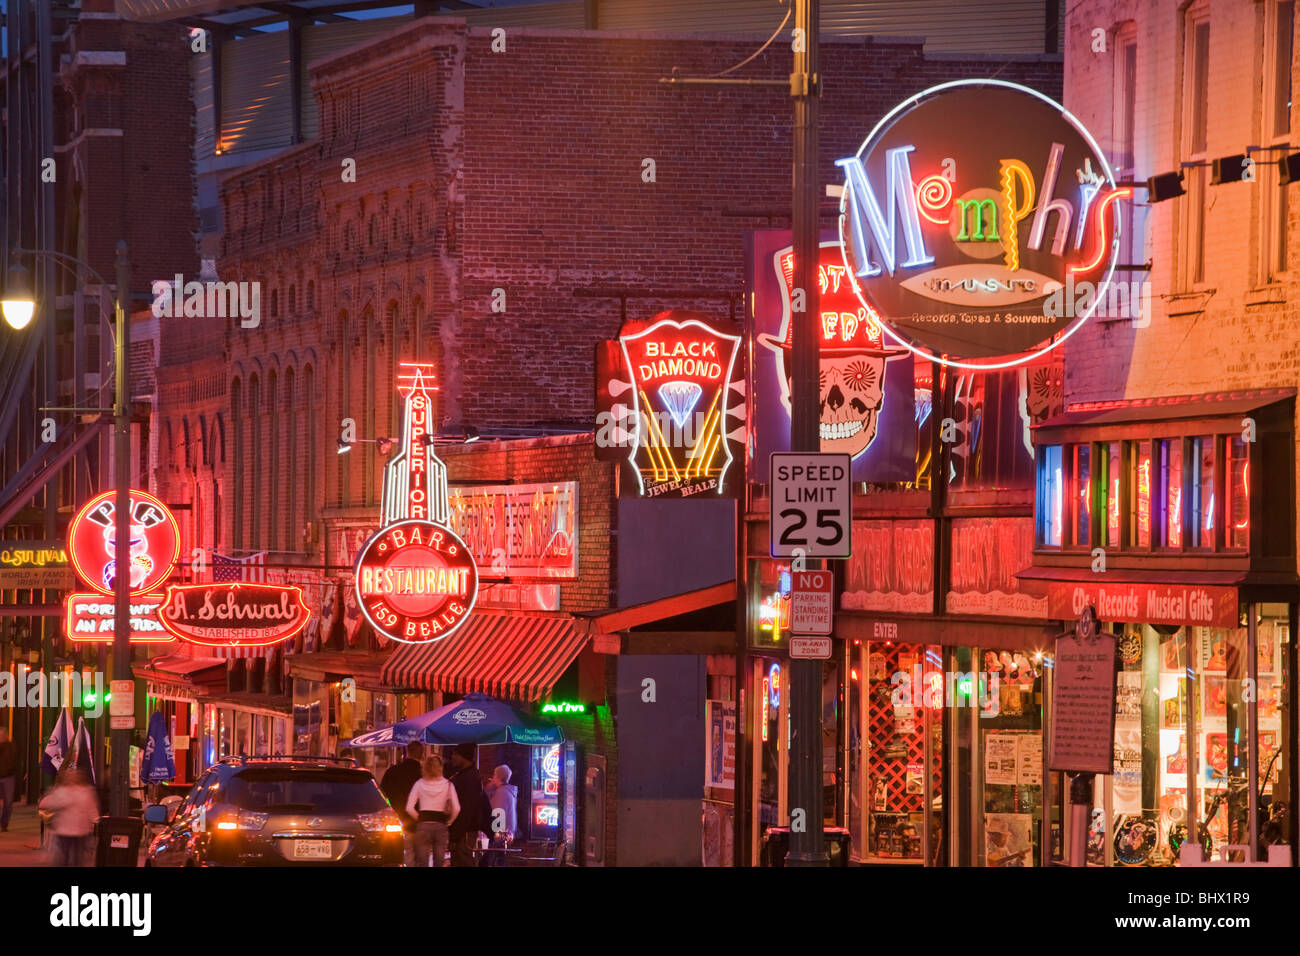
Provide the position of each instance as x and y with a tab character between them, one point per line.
19	305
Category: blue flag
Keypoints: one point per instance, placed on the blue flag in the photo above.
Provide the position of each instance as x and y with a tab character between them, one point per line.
159	762
60	742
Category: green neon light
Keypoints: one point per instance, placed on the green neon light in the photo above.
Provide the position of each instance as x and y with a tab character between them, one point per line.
977	206
564	707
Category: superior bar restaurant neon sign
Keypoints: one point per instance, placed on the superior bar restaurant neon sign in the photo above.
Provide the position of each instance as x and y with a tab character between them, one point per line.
416	581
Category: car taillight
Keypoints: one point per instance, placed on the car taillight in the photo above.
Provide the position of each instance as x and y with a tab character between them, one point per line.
386	820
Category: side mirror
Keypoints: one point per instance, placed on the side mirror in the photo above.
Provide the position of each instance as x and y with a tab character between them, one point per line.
157	814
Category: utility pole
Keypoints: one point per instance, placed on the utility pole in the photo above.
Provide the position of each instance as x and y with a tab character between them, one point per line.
808	845
121	739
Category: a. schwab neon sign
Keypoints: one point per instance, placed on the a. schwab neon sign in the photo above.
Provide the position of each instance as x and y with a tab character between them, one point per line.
965	251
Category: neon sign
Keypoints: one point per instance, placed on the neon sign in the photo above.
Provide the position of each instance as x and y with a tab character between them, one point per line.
415	579
961	261
670	403
235	614
564	707
155	542
89	618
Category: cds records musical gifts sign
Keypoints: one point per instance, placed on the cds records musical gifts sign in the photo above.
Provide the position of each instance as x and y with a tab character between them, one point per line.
415	579
966	212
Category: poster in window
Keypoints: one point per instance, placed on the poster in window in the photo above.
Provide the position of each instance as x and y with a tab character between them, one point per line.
1029	759
1216	758
1214	650
1000	760
720	772
1128	695
1214	697
1176	763
1267	697
1265	648
1009	839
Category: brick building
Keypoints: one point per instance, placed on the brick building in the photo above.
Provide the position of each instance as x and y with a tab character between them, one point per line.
1178	435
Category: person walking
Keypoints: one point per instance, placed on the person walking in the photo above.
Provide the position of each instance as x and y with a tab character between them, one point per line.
433	804
475	812
75	810
396	786
8	778
503	798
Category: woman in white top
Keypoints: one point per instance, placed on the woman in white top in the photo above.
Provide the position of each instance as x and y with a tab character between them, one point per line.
434	805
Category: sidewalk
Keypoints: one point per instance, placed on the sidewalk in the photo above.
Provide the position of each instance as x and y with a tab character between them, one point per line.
20	846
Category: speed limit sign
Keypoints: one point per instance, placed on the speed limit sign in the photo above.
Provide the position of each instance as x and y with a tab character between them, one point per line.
812	505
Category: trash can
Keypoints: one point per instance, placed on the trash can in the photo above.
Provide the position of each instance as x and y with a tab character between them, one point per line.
118	841
776	844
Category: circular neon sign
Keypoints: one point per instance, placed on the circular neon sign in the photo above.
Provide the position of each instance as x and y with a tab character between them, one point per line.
416	581
155	542
980	221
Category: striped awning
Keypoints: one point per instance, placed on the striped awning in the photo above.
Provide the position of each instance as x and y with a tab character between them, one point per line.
501	654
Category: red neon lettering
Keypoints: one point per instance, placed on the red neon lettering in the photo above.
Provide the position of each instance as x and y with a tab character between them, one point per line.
1102	245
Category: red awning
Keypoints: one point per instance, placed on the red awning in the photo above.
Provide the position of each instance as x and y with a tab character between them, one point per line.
624	618
502	654
1169	408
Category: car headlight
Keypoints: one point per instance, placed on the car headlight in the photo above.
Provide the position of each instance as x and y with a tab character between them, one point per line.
385	820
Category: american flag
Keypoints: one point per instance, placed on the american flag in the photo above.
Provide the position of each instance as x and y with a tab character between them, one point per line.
226	569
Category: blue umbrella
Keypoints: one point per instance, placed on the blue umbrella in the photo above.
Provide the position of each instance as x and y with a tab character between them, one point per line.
476	719
159	763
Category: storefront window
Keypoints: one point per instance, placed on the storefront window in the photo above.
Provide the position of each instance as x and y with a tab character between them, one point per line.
772	599
900	728
1051	495
1083	499
1237	519
1114	467
1171	493
1203	491
1139	515
1011	729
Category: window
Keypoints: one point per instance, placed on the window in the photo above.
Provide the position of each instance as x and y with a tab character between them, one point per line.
1202	488
1236	520
1083	495
1125	111
1171	493
1114	467
1051	493
1139	495
1275	118
1196	88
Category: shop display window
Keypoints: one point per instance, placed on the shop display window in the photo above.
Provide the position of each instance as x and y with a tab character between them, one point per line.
1139	516
1011	745
1114	465
1171	493
771	598
900	723
1236	525
1187	700
1202	488
1051	495
1083	497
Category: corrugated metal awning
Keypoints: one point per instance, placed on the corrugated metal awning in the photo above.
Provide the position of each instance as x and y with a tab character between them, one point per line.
502	654
1168	408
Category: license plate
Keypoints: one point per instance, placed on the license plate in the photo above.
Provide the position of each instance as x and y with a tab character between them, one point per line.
313	849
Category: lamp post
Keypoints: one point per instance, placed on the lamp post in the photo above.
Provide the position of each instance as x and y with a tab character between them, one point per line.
18	306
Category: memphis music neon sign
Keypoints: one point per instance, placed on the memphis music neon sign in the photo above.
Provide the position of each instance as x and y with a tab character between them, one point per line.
415	579
966	209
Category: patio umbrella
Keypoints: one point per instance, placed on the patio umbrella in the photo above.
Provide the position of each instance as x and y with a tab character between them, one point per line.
159	763
476	719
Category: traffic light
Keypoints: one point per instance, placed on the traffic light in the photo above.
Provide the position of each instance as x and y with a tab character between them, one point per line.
89	698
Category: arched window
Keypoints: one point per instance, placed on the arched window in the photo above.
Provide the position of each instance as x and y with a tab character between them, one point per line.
309	404
274	426
366	427
254	461
237	464
344	381
275	303
291	412
311	295
293	299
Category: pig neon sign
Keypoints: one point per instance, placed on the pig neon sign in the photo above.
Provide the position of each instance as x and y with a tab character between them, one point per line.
966	208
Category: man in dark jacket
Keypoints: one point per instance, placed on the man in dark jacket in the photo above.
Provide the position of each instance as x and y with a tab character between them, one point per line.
396	786
8	777
469	791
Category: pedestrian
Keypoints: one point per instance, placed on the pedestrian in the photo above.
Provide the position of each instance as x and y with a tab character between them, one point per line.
396	786
433	803
503	798
8	778
75	810
475	812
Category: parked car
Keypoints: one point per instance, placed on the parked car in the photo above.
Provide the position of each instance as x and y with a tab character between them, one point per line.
279	811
